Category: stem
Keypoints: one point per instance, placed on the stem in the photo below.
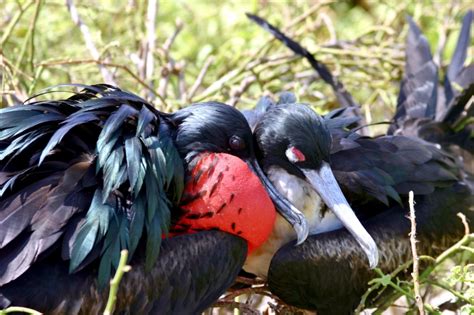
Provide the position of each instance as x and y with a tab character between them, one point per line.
28	36
108	77
448	253
106	64
416	273
114	283
33	29
15	309
14	22
245	308
446	287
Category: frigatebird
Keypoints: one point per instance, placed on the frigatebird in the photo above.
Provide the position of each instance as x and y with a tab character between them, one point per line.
328	272
84	177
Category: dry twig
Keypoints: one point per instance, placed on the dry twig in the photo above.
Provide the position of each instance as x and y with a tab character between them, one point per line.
108	77
199	79
413	241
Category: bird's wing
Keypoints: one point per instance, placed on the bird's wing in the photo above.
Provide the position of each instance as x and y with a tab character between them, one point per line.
417	98
387	168
329	272
91	174
172	286
421	99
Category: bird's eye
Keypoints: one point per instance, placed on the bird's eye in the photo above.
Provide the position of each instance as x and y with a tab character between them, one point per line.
294	155
236	143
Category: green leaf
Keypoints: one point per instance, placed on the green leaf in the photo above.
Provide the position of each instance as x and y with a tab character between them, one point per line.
385	280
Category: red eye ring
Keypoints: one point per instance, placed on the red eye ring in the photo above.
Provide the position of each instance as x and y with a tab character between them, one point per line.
295	155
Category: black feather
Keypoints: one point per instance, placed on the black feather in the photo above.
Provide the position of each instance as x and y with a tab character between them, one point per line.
117	135
343	96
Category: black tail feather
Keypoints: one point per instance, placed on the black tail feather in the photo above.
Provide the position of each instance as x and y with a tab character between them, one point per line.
456	67
418	90
344	98
422	101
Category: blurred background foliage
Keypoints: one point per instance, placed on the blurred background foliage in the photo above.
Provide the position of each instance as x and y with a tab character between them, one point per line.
178	52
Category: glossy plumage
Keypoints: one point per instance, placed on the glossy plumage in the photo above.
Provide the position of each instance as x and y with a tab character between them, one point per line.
173	285
329	273
96	148
84	177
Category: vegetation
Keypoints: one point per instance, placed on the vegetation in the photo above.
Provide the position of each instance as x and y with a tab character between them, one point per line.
177	52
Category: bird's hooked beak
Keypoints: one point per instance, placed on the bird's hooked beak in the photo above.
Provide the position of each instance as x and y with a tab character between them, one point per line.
286	209
325	184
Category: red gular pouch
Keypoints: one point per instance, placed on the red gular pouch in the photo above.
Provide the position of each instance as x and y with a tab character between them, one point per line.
223	193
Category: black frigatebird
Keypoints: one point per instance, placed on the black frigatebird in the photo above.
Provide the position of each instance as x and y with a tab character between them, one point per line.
84	177
329	273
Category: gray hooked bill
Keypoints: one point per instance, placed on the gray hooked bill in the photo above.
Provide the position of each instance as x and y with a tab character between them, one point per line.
286	209
325	184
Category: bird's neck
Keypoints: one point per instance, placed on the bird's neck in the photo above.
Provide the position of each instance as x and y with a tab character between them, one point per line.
301	195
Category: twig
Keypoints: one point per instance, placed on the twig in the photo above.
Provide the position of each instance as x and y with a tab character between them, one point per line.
460	245
446	287
308	13
180	69
169	42
114	283
28	36
108	77
32	40
375	285
165	77
415	274
469	249
14	22
14	70
256	58
149	44
329	26
448	253
169	66
237	92
16	309
106	64
250	281
248	291
150	39
245	308
199	79
464	222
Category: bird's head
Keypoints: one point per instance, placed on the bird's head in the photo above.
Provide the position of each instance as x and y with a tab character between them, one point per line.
212	127
296	139
216	128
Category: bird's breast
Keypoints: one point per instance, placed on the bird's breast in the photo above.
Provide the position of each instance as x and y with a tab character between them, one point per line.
223	193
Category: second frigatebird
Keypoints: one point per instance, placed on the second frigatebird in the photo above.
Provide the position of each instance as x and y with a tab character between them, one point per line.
328	272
